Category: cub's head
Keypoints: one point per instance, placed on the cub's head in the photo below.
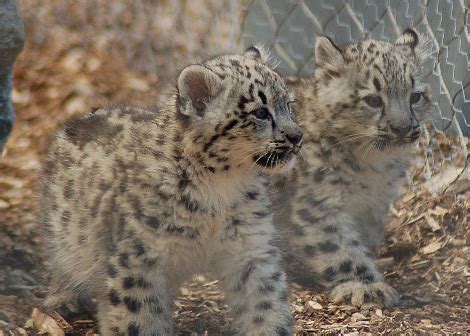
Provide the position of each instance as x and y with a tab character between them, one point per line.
374	89
236	111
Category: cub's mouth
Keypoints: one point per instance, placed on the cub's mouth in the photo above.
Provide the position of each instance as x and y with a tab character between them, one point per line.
274	159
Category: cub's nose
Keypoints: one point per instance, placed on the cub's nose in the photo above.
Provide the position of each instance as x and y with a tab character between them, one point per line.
295	136
401	132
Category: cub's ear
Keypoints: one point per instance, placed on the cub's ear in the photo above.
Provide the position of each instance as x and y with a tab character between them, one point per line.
408	38
197	87
327	54
256	53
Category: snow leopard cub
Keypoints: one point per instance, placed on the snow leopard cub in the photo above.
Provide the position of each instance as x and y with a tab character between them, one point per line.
361	116
137	201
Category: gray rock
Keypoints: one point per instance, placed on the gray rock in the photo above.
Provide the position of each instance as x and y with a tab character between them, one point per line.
11	43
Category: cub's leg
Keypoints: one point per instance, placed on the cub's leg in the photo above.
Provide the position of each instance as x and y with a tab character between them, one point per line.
328	251
136	298
253	281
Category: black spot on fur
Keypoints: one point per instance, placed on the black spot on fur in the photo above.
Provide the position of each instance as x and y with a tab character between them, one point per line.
210	142
111	271
305	215
242	102
152	222
139	247
247	272
190	204
133	330
328	246
345	266
354	242
150	262
132	304
239	311
252	195
284	296
175	229
265	305
266	288
330	229
276	276
319	174
380	295
361	269
66	214
282	331
368	278
261	214
68	190
329	274
141	283
124	259
310	250
114	297
128	282
230	125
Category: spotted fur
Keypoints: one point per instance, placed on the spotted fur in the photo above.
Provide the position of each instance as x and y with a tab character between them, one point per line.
137	201
361	116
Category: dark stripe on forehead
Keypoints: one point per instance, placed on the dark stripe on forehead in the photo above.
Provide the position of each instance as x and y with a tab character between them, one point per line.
262	96
412	81
376	67
242	102
377	84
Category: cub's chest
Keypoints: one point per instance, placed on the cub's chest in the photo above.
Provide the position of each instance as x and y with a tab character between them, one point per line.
372	192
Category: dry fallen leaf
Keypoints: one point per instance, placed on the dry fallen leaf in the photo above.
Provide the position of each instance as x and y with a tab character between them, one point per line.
432	247
433	224
45	323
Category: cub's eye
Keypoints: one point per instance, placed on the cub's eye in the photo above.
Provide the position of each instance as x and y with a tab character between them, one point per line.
261	113
373	101
416	97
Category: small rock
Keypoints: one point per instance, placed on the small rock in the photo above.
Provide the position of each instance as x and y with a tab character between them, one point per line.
357	317
21	331
4	316
314	305
4	204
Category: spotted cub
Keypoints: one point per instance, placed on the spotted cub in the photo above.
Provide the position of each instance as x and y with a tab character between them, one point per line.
361	116
137	201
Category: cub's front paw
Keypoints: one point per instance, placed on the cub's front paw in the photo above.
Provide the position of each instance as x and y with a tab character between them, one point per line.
357	293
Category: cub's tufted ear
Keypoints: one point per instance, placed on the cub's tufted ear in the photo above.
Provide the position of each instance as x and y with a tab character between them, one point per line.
197	86
257	53
327	54
409	38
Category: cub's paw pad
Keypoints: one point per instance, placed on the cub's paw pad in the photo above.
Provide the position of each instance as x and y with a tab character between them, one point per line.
357	293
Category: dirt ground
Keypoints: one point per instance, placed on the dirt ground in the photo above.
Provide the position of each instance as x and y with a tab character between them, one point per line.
425	254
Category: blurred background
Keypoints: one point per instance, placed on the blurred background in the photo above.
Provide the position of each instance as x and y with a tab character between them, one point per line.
81	54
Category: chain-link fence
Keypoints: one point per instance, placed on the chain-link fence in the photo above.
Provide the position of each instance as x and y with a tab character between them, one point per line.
289	29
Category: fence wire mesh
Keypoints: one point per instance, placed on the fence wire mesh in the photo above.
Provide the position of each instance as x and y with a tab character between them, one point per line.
289	29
